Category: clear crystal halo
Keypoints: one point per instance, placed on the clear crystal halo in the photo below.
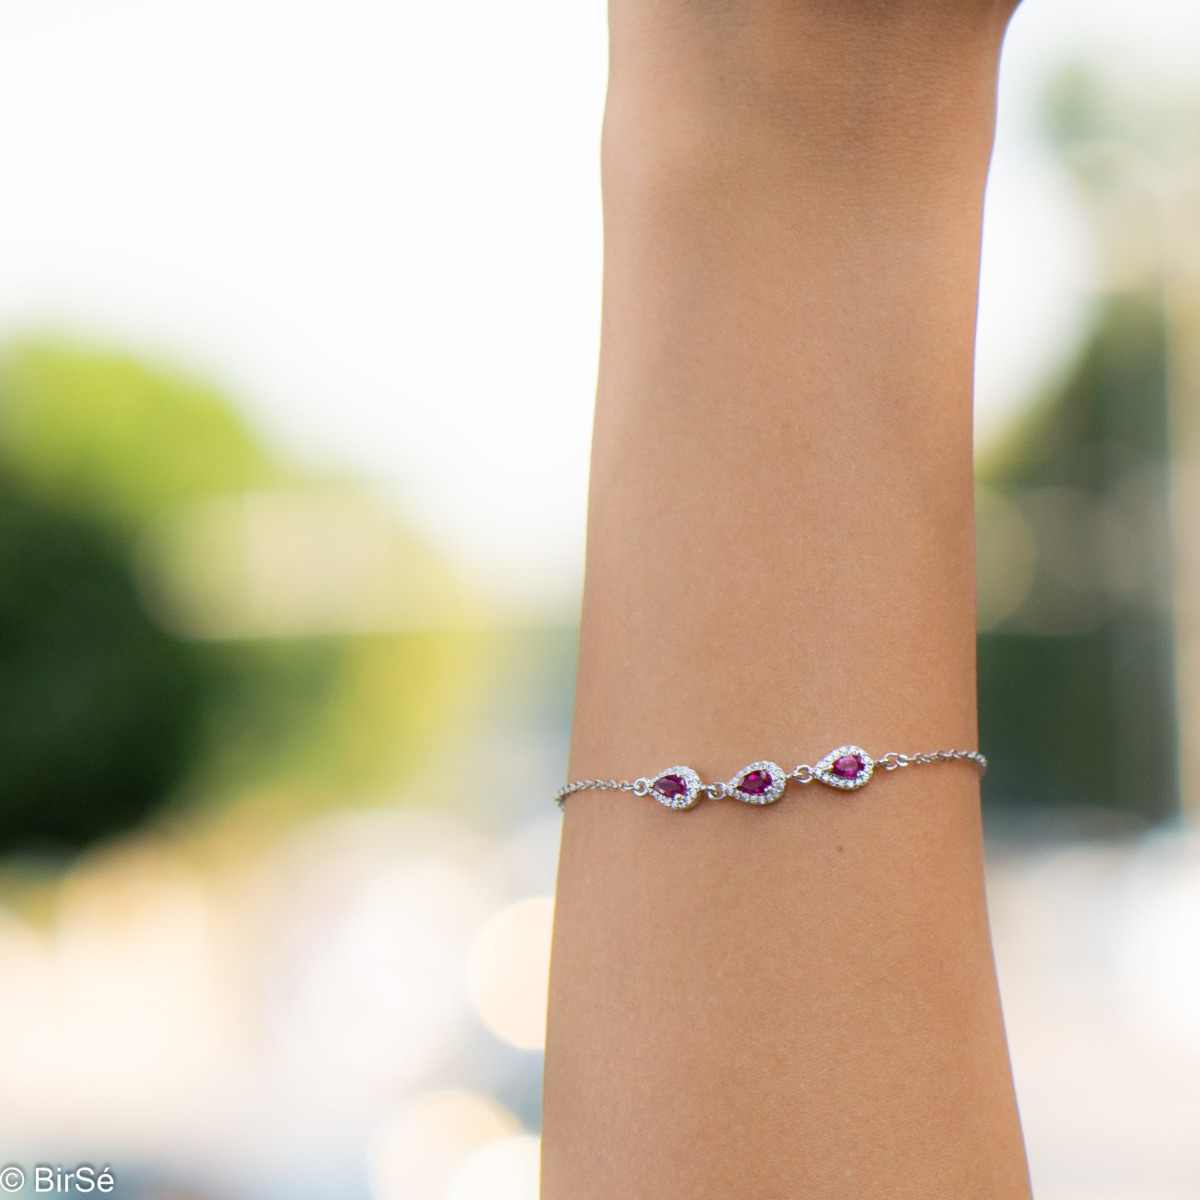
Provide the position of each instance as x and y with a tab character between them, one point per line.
825	770
676	787
766	786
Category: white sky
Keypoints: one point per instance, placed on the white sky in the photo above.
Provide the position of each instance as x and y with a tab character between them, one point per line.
377	223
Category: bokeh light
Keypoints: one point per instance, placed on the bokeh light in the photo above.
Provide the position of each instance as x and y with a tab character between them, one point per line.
504	1169
418	1149
509	968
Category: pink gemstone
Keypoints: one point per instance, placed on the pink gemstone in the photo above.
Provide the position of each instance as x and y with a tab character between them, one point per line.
670	786
755	783
848	766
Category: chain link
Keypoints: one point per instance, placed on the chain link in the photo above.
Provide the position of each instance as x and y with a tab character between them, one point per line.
891	760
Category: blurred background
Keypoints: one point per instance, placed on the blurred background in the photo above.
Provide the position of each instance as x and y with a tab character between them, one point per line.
298	327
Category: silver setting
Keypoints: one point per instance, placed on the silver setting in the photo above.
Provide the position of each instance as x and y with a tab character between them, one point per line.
825	773
778	776
695	789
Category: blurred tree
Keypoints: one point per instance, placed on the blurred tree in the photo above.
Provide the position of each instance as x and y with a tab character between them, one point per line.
1075	683
183	614
1077	665
99	708
105	434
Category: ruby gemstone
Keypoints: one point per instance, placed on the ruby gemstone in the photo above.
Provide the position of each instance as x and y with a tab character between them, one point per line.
670	786
755	783
848	766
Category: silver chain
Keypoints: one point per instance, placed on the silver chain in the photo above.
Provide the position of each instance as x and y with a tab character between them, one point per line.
891	760
802	774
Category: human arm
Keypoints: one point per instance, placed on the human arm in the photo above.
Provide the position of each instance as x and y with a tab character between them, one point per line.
798	1000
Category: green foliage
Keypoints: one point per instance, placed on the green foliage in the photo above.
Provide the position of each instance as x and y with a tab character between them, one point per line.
1083	720
1109	413
1077	681
1075	108
109	712
1086	717
99	709
102	433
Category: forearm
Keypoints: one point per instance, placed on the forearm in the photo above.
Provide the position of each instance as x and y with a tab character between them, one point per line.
797	1000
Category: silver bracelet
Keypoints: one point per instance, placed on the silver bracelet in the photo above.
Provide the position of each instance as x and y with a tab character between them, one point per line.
762	782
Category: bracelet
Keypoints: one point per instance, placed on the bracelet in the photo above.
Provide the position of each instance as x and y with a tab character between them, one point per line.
762	782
